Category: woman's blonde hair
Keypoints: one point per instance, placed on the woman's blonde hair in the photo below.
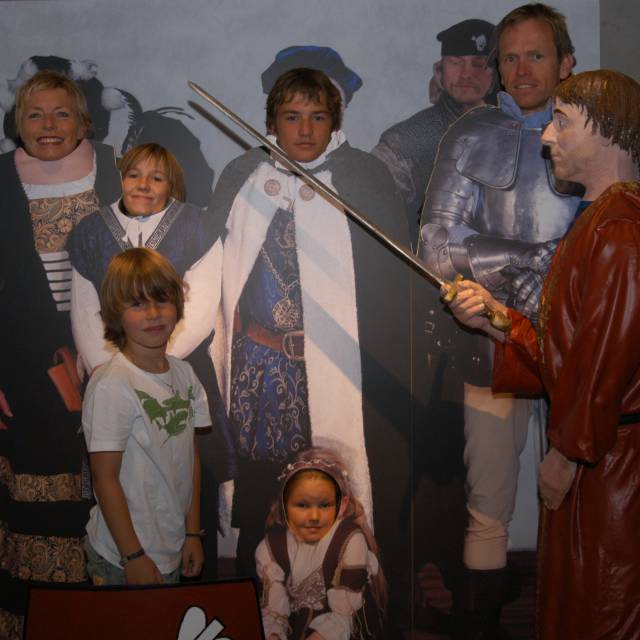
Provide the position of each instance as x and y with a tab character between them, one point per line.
46	80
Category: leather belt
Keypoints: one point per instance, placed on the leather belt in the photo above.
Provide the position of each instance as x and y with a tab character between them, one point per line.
290	343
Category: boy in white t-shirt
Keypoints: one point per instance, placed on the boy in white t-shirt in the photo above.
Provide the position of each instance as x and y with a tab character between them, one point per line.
138	416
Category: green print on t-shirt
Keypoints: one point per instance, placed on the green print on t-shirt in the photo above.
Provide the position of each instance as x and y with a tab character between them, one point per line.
172	415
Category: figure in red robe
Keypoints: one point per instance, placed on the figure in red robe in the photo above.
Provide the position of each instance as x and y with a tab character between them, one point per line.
585	354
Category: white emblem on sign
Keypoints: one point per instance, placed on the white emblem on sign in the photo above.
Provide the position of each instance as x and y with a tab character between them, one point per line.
194	626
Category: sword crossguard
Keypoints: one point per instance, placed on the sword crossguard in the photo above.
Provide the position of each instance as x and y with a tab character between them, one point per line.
498	320
452	288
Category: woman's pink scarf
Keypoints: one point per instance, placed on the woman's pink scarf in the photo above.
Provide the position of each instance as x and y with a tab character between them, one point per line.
75	166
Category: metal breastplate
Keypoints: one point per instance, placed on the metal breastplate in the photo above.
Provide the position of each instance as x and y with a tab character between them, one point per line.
530	209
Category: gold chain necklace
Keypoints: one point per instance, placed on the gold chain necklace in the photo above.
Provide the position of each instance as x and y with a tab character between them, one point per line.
286	312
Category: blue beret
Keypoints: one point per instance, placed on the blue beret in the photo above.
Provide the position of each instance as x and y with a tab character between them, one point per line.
323	59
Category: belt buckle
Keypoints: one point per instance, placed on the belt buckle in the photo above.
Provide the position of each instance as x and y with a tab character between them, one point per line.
288	345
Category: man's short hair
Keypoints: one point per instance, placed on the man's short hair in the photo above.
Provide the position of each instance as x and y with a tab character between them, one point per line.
311	84
47	80
163	157
137	275
609	100
539	11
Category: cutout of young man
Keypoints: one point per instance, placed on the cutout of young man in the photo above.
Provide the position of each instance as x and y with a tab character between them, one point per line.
312	344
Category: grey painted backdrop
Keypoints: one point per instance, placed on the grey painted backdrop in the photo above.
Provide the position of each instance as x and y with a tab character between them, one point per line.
619	23
152	48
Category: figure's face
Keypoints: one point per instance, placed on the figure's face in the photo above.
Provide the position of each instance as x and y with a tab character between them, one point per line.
576	152
303	127
311	508
467	79
529	65
50	126
145	188
148	325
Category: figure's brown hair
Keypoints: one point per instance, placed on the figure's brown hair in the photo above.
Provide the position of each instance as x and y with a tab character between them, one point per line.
610	101
133	276
48	79
545	13
311	84
163	157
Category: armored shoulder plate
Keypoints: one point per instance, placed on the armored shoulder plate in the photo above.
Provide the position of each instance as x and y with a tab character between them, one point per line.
489	144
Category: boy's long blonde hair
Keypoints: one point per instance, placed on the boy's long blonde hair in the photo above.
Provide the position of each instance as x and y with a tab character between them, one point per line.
134	275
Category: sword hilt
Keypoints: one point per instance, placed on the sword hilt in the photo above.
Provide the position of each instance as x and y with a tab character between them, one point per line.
500	321
452	288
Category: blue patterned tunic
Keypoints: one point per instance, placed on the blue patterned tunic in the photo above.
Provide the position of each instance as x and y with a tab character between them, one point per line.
269	398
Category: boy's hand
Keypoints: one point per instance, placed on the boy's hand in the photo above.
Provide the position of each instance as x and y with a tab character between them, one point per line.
192	557
142	570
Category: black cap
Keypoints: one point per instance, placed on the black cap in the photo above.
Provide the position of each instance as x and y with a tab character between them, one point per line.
467	38
323	59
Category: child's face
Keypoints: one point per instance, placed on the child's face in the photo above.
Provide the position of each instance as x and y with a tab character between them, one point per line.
311	508
303	127
148	325
145	188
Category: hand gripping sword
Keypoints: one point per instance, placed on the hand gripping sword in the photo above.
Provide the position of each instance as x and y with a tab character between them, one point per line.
497	318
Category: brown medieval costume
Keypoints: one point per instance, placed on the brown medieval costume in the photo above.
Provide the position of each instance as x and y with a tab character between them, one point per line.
586	356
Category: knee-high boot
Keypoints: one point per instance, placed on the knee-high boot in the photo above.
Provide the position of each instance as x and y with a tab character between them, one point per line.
477	616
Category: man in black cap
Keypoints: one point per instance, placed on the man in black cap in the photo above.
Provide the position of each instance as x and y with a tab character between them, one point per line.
409	147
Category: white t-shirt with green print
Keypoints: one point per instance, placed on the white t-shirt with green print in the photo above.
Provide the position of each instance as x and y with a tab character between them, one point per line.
151	417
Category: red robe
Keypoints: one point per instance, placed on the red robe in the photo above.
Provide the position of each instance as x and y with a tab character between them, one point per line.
586	357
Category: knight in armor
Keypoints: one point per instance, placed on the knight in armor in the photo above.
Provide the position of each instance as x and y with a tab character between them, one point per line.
494	213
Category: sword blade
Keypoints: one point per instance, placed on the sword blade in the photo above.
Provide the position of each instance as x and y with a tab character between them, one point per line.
321	187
